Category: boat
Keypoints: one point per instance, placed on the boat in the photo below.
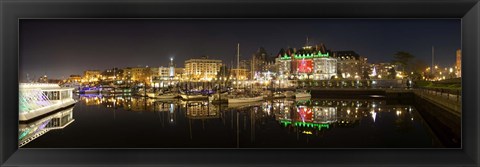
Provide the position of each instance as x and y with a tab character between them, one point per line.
193	96
243	105
151	94
167	96
244	99
302	94
277	95
162	95
218	98
37	99
89	90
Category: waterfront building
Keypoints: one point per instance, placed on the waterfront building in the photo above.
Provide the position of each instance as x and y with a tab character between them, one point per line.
350	65
74	78
166	76
261	62
458	63
127	75
239	74
141	75
309	62
91	76
203	69
112	75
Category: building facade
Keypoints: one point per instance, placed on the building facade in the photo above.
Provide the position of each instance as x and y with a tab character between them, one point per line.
309	62
91	75
350	65
203	69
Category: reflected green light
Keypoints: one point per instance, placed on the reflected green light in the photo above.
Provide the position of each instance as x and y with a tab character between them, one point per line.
307	124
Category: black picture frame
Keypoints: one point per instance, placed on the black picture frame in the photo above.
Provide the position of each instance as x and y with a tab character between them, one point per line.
11	11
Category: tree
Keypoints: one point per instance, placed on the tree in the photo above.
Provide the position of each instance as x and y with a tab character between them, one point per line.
403	59
418	68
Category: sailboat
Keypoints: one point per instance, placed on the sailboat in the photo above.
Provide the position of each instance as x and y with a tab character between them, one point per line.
244	98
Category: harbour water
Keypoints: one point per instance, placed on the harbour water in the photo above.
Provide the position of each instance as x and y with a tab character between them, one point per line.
138	122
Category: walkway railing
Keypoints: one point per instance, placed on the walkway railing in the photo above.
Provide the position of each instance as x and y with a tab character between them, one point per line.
450	99
449	94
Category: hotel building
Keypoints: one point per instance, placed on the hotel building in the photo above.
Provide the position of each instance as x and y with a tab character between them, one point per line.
310	62
202	69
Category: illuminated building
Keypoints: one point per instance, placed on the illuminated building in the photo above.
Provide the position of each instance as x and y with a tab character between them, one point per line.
381	70
111	75
239	74
165	76
349	64
91	75
141	74
202	69
307	63
74	78
261	63
458	63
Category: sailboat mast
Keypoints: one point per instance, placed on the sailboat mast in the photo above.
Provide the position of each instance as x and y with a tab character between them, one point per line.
238	59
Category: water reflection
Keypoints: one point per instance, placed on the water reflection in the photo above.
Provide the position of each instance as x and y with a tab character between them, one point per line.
280	123
29	131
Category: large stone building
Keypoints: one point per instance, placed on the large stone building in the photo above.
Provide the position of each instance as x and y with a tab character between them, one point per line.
203	69
309	62
350	65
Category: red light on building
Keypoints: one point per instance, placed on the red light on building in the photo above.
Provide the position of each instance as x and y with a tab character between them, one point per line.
304	66
305	114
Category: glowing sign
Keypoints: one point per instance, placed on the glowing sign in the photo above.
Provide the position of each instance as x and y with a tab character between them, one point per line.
304	66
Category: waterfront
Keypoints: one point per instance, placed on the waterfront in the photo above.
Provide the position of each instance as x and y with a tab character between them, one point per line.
139	122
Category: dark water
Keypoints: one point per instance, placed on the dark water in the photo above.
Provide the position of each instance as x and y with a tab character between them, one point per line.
134	122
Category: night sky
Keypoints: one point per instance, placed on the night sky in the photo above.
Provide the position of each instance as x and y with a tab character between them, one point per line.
59	48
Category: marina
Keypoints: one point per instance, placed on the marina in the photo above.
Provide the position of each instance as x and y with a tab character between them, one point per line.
285	123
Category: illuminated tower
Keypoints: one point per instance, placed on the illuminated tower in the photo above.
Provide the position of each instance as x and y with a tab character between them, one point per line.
459	63
172	69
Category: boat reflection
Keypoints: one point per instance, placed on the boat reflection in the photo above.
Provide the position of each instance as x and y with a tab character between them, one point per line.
31	130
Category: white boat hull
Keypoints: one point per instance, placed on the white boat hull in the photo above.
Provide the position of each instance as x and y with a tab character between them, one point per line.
245	99
191	97
172	96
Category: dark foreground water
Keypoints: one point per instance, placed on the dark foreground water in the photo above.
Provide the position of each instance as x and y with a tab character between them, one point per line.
136	122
